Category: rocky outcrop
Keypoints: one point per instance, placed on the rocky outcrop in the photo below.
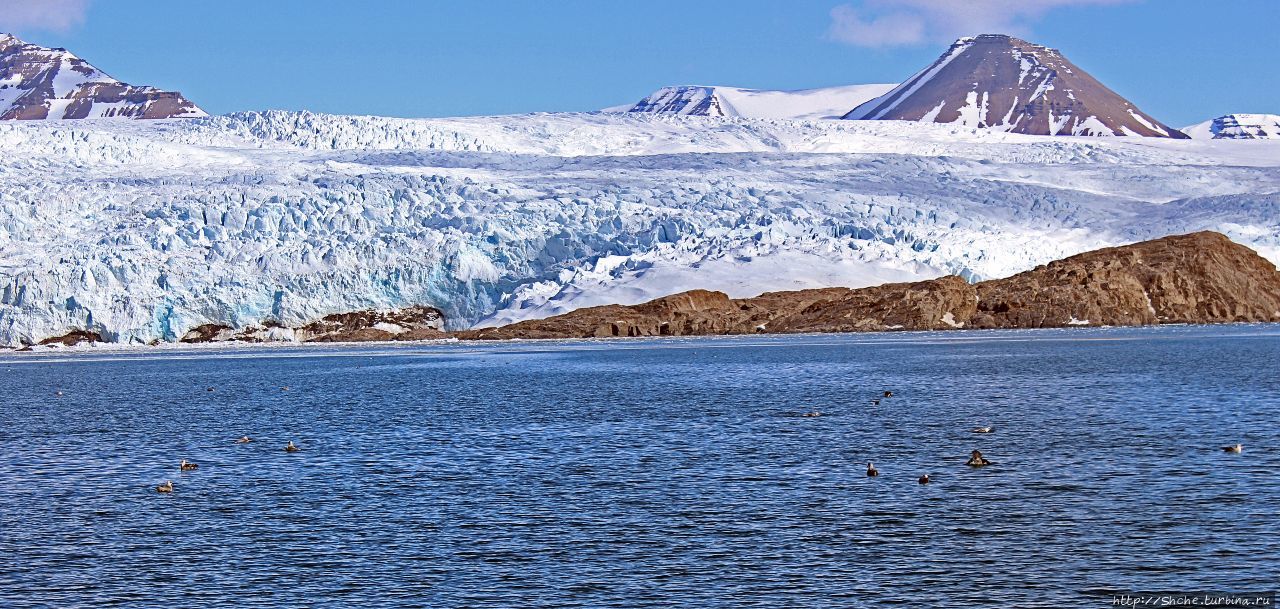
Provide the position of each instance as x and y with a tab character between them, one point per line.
1004	83
1197	278
73	338
412	323
1237	127
39	83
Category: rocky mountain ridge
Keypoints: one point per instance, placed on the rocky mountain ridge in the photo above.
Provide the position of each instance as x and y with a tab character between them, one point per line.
39	83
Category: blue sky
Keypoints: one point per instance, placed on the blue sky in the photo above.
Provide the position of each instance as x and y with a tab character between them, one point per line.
1181	60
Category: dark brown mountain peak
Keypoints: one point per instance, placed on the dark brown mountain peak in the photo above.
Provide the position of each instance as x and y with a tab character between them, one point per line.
1005	83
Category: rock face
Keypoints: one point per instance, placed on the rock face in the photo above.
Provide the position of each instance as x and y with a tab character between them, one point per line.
695	100
1197	278
1237	127
413	323
38	83
1008	84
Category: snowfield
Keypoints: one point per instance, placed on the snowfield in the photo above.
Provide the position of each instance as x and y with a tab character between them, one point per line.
142	230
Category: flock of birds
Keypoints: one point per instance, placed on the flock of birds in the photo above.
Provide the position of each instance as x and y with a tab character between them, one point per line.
975	458
186	466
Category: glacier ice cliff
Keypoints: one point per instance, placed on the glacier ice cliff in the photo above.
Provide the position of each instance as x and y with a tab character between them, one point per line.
142	231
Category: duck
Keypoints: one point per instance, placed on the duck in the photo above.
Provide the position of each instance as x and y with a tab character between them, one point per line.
875	402
924	479
167	487
209	389
1234	449
888	394
987	429
290	448
815	413
58	393
244	440
285	388
977	460
872	472
187	466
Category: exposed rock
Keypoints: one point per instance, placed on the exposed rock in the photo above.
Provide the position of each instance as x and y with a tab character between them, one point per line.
207	333
1237	127
74	337
1196	278
38	83
413	323
1004	83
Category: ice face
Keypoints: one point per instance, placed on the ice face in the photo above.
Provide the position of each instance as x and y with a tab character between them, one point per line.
142	231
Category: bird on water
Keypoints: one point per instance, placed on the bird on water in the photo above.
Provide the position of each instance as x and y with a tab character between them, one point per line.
244	440
977	460
924	479
1234	449
872	472
290	448
187	466
167	487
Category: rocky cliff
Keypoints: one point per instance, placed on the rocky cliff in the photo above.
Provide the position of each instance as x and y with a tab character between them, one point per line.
1196	278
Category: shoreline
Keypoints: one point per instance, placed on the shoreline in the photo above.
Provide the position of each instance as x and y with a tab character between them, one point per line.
281	348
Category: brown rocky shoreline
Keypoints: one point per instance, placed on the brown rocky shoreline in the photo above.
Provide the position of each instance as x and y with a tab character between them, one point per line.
1197	278
1201	277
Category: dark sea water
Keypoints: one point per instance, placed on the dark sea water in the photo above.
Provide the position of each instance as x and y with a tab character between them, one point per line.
650	473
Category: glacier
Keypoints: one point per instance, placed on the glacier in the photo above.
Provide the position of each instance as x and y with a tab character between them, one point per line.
143	230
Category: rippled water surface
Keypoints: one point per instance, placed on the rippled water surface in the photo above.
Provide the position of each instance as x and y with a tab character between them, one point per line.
647	473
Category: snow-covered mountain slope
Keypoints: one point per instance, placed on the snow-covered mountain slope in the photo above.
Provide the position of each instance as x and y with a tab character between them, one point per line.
1008	84
142	230
1237	127
827	102
38	83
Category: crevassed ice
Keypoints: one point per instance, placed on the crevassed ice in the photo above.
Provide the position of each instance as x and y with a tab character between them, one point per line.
143	230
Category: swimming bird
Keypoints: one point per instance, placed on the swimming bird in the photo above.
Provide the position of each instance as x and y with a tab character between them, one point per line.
1234	449
924	479
167	487
977	460
285	388
290	448
187	466
888	394
987	429
58	393
244	440
210	389
875	402
872	472
815	413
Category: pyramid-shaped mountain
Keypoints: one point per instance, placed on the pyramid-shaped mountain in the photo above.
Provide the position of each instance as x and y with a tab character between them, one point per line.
1004	83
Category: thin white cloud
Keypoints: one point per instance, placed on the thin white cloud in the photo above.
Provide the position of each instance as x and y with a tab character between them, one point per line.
886	23
47	15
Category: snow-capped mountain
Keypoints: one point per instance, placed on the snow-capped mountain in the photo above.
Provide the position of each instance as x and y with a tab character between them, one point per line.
38	83
827	102
1237	127
1008	84
144	230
